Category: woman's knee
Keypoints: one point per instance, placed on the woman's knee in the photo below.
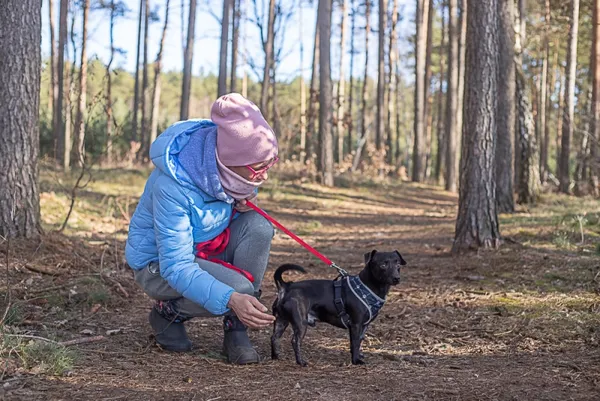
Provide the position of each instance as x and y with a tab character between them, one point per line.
243	286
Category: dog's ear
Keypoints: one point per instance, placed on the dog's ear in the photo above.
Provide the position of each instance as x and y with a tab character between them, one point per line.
369	256
402	261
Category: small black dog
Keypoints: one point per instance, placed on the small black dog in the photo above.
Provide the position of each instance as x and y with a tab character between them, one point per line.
350	302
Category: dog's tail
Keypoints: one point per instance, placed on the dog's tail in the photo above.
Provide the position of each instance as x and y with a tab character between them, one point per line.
282	269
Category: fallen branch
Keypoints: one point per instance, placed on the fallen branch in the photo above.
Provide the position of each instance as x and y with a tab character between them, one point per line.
125	215
83	340
119	286
42	270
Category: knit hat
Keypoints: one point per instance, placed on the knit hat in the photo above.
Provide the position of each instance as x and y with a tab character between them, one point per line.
243	135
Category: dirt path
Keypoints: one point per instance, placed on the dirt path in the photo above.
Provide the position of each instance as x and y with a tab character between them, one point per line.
471	328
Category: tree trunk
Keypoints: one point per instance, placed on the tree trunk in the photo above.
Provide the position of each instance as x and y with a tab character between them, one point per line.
477	222
595	126
506	108
109	115
157	80
21	23
58	106
325	93
236	15
70	89
222	84
145	149
441	142
379	119
302	153
244	50
186	85
427	109
569	111
528	173
364	135
313	98
341	86
268	47
401	113
452	98
544	131
349	116
461	75
419	107
582	159
136	86
392	84
81	109
559	117
53	98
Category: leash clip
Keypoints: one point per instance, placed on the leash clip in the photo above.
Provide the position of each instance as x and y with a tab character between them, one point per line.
341	271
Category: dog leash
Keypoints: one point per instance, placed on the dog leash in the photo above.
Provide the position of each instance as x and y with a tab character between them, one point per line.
299	240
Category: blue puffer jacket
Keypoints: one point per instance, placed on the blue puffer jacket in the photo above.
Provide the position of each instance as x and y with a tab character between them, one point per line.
178	210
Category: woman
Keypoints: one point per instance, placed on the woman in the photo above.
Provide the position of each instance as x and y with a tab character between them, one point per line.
194	245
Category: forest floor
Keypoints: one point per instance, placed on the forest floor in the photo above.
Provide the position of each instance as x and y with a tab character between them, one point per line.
518	323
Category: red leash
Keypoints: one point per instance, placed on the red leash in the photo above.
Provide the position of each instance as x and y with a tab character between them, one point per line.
299	240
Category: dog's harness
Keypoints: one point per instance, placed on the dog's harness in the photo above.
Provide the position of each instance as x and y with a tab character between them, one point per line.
369	299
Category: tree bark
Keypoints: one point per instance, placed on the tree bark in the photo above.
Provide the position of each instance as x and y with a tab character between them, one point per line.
325	93
313	99
21	38
528	173
544	131
58	106
506	109
595	126
302	153
452	98
53	98
477	222
136	86
392	84
419	107
81	109
379	119
144	123
186	85
268	47
157	81
341	86
222	84
569	111
236	15
364	135
461	74
441	142
109	112
349	117
427	109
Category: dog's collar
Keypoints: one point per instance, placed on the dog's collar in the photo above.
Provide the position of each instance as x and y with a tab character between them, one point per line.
369	299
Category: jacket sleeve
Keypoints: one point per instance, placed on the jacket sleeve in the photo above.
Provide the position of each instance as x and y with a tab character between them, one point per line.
173	230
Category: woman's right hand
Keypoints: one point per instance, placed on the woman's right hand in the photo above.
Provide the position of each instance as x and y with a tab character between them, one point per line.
250	311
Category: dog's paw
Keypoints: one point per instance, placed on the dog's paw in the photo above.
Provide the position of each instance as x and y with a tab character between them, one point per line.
358	362
302	363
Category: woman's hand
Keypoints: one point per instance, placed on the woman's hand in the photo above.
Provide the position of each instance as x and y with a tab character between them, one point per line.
250	311
241	205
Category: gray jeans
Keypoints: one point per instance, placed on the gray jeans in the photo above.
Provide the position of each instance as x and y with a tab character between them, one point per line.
249	247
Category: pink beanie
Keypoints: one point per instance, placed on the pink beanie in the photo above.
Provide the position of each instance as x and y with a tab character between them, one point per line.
243	135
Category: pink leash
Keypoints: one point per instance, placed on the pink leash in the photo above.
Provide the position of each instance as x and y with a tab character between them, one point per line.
299	240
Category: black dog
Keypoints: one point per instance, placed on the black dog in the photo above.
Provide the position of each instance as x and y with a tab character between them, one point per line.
350	302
